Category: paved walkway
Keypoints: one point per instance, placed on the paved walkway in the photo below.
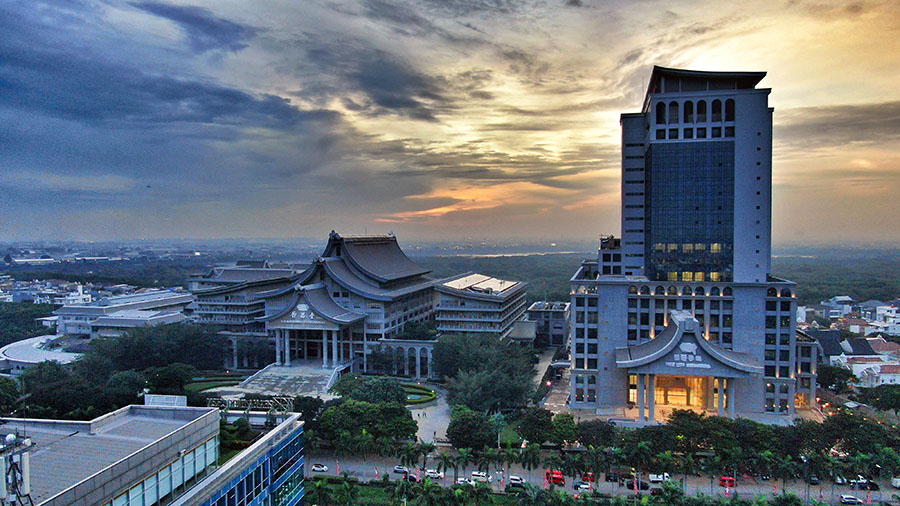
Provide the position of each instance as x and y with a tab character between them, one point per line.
433	419
306	377
542	365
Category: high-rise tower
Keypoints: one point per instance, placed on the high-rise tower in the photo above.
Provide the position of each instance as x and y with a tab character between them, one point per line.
682	311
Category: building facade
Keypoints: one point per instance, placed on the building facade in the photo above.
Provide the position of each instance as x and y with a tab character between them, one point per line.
682	311
77	319
552	322
473	303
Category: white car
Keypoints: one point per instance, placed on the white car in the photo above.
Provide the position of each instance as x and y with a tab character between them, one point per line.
516	480
319	468
401	470
481	476
465	481
434	474
582	486
659	478
850	499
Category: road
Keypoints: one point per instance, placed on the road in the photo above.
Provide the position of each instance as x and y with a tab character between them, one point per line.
434	418
826	492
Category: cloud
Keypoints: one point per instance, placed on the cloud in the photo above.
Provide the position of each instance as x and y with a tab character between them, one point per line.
836	126
204	31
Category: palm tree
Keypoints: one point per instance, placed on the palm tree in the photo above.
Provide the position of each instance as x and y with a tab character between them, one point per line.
640	455
481	494
713	466
485	459
401	491
595	461
785	468
424	450
687	465
365	443
507	458
428	494
445	462
409	454
553	461
347	493
531	496
465	458
384	447
530	457
318	494
572	465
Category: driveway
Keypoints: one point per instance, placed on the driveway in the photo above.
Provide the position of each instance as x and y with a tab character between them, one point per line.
434	418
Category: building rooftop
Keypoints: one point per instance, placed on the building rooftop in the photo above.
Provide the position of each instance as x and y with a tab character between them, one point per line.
132	317
543	305
376	256
479	283
31	351
68	452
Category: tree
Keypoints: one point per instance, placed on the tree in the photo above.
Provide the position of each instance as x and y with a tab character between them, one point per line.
596	433
347	493
162	345
446	462
564	429
535	425
469	429
124	387
530	457
829	376
388	419
9	393
318	494
170	379
308	407
370	389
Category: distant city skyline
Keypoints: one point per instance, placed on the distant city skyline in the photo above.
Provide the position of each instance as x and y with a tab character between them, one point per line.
435	119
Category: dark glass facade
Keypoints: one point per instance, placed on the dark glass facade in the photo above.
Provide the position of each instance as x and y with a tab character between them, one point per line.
689	211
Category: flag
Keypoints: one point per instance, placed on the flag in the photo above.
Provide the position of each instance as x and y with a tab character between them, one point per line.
337	467
376	472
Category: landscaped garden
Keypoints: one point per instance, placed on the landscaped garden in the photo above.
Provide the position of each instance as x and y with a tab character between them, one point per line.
214	380
418	394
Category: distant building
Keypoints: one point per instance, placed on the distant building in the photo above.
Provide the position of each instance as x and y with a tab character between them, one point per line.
552	321
148	455
76	319
115	324
473	303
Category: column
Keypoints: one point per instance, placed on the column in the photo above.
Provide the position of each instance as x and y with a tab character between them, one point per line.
652	397
430	364
324	348
277	347
287	347
418	363
720	384
731	407
640	394
234	352
334	349
405	362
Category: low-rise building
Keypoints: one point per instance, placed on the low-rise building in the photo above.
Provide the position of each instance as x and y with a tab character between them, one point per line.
151	455
115	324
473	303
552	319
76	319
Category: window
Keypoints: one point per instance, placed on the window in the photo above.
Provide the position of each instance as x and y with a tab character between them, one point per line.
701	111
688	112
660	134
729	112
701	133
729	131
660	116
688	133
716	132
673	133
717	110
673	113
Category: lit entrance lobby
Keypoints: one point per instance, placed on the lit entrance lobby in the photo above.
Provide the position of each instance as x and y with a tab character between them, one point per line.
679	369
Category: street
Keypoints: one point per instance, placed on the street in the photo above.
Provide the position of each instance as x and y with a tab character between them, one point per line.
826	492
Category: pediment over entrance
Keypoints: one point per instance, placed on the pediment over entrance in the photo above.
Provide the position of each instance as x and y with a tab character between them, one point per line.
681	350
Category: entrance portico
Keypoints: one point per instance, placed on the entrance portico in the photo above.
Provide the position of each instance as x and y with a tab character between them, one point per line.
312	327
683	370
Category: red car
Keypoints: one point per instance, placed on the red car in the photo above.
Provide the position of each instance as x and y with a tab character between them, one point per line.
588	477
555	477
726	481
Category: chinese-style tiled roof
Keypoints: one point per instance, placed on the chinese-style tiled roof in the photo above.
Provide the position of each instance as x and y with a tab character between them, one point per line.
377	256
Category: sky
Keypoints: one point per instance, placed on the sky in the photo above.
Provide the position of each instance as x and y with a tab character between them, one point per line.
431	119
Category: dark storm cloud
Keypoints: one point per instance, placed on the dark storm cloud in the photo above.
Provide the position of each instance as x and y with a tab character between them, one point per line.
574	3
395	86
204	30
839	125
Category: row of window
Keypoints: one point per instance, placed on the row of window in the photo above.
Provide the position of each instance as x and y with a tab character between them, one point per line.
686	290
669	113
688	133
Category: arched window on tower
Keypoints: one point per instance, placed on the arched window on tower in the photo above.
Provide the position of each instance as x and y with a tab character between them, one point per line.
701	111
717	110
673	112
688	112
729	110
661	113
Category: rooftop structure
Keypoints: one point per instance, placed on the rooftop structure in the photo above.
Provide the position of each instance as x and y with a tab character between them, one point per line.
20	355
76	319
113	324
476	303
552	322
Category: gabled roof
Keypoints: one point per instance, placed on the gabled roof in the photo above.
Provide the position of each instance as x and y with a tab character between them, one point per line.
860	346
830	343
236	287
320	302
376	256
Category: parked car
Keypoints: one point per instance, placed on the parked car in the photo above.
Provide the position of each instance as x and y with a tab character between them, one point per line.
765	477
555	477
465	481
612	477
319	468
630	482
516	480
868	485
658	478
838	479
850	499
582	486
895	482
401	470
411	477
726	481
588	477
481	476
813	479
434	474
